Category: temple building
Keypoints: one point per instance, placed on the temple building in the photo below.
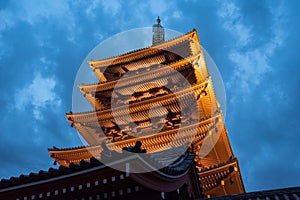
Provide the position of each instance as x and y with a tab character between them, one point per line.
162	113
218	172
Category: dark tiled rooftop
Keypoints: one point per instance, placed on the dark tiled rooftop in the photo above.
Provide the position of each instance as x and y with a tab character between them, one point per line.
176	168
276	194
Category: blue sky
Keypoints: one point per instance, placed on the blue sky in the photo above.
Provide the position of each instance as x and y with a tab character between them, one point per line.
255	45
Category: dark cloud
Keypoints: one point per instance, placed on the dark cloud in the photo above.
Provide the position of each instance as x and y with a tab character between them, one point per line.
51	44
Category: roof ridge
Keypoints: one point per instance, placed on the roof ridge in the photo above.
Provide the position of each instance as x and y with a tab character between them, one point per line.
141	49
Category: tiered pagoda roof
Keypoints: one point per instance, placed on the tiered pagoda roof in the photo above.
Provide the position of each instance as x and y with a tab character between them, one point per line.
218	173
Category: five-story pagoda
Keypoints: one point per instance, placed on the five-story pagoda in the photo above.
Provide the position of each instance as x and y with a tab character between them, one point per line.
162	96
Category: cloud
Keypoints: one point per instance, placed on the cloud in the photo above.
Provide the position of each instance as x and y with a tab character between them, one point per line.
43	44
233	22
250	66
90	10
112	7
39	94
34	12
177	14
133	14
251	59
6	19
279	35
159	7
261	91
39	12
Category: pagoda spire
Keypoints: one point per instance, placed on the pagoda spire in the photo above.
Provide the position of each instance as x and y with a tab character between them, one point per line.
158	33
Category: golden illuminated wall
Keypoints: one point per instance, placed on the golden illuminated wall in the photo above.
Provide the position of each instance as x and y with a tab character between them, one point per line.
218	171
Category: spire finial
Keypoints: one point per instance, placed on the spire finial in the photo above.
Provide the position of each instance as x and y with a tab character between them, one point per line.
158	33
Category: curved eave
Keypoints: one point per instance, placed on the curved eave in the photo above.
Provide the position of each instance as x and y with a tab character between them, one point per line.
210	171
240	176
222	180
152	143
140	106
97	87
141	52
218	146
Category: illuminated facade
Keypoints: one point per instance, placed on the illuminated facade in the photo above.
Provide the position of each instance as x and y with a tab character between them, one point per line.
218	171
83	175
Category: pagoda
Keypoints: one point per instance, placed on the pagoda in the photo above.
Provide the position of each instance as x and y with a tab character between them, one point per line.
154	79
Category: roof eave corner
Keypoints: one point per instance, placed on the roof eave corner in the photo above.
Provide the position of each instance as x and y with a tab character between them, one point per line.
195	35
91	64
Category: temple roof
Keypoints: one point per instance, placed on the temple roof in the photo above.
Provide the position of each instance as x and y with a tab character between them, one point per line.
176	65
139	53
204	131
152	143
221	175
292	193
177	168
144	105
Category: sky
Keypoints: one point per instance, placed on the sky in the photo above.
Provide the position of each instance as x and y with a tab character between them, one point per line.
255	45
